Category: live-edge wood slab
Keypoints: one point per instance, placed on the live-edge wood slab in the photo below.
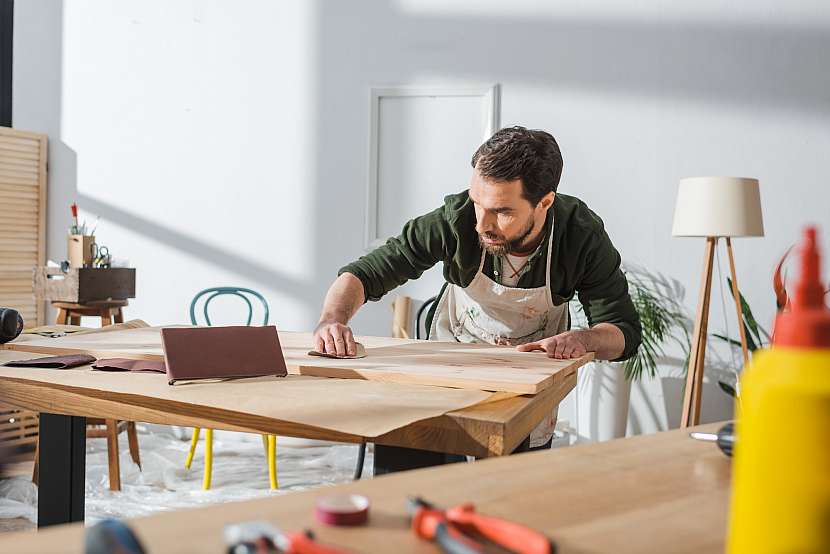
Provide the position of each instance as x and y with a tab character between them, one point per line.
455	365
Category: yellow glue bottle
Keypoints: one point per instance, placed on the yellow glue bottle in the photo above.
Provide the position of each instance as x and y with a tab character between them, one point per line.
781	477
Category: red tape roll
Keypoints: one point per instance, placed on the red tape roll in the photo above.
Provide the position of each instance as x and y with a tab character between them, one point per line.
342	509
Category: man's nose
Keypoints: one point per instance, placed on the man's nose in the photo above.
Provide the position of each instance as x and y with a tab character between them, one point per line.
485	223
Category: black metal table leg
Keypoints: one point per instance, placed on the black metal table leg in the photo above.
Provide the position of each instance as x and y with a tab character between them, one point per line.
62	469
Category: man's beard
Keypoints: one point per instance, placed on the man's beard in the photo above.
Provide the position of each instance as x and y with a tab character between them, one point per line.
507	246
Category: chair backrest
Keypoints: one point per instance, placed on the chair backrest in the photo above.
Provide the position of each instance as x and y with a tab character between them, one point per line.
240	292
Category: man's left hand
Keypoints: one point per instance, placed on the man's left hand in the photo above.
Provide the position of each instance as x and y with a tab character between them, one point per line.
569	344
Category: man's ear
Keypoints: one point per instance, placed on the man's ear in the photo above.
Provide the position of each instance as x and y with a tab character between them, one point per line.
547	201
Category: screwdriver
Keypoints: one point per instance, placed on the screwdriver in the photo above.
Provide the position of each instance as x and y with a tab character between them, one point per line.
725	437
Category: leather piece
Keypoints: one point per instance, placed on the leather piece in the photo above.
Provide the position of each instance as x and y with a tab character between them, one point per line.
126	364
216	352
54	362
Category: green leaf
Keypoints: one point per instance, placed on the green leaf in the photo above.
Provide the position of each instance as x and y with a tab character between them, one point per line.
751	327
733	342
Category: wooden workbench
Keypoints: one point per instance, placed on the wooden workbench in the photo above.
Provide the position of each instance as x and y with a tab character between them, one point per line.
492	425
655	493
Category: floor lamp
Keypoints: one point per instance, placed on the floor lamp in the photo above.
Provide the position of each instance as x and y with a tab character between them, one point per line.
713	208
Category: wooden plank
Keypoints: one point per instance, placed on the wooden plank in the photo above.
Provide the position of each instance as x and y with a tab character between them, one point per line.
22	156
17	138
18	189
15	145
15	282
493	428
20	163
16	182
17	173
7	132
657	493
20	204
17	260
13	267
18	234
18	166
18	197
12	219
7	245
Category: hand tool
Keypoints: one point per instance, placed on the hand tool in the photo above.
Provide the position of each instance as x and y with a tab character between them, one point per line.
260	537
725	437
74	209
100	256
461	530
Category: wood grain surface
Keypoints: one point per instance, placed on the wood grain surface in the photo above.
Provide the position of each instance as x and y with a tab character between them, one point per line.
654	493
467	366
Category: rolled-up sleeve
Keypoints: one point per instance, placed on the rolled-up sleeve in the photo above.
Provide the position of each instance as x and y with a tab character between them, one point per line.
422	243
603	292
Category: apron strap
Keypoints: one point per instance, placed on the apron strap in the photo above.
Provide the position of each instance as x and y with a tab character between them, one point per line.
547	265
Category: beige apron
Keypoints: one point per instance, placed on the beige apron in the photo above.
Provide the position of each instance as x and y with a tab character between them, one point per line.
491	313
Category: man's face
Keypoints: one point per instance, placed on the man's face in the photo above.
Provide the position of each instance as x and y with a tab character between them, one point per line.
505	220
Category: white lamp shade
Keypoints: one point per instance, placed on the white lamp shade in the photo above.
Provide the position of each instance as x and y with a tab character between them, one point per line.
718	207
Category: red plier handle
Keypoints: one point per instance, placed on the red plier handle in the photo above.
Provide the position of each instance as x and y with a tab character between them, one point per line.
513	536
301	543
456	529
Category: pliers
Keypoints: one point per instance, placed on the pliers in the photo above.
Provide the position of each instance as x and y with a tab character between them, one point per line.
260	537
461	530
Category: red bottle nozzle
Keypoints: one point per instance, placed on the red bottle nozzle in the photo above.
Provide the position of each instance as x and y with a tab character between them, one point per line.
807	324
809	292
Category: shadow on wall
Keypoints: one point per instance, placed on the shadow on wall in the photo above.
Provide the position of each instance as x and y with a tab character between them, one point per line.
373	41
63	191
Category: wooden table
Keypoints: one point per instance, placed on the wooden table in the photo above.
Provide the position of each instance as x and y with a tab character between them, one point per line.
653	493
492	429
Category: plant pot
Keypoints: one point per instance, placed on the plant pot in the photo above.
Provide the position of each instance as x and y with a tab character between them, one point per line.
602	399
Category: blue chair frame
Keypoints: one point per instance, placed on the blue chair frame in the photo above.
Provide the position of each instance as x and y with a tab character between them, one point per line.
232	291
268	441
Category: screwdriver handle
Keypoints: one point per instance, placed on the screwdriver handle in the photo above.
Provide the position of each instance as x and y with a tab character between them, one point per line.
303	544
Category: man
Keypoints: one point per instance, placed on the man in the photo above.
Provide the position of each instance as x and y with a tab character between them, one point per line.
514	253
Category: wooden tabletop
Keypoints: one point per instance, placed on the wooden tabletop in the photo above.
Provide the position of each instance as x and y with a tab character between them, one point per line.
493	428
655	493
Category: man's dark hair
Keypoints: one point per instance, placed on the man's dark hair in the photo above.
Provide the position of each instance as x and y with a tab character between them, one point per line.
519	153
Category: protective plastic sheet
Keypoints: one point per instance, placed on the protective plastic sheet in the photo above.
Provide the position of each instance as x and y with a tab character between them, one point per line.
240	471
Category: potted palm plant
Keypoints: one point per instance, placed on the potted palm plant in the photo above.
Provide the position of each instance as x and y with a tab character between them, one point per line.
604	388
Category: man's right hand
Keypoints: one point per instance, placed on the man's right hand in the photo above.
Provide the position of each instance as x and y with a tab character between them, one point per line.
332	337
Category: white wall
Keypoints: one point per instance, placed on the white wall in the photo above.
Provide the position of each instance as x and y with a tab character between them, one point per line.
227	142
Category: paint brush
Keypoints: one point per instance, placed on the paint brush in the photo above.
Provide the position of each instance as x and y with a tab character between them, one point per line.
74	209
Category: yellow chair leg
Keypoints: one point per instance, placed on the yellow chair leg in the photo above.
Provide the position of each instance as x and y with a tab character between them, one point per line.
208	458
193	441
272	461
264	444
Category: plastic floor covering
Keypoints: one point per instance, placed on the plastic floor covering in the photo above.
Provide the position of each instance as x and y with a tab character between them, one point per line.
240	471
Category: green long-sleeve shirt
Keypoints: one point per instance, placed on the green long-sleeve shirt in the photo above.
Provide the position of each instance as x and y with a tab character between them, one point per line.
585	262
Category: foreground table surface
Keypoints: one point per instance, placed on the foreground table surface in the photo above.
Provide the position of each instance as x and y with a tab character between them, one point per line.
656	493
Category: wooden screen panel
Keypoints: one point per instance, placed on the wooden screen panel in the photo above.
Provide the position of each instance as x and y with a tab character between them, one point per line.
18	432
22	220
